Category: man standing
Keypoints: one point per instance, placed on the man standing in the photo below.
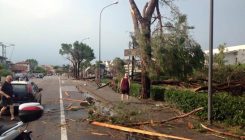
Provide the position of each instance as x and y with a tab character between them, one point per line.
7	96
124	86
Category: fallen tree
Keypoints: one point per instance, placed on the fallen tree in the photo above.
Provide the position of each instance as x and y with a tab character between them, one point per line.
234	87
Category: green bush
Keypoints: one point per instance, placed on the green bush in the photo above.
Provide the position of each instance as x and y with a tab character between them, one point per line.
157	93
226	108
135	89
5	72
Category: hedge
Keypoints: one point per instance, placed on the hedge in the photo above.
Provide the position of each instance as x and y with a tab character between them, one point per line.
226	108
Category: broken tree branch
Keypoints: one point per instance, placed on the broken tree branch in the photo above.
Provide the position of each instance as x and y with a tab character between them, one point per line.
127	129
101	86
70	99
164	121
223	133
82	103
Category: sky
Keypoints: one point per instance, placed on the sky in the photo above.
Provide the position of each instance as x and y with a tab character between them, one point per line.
37	28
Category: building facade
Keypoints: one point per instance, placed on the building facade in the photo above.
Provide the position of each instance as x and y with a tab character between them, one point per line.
233	55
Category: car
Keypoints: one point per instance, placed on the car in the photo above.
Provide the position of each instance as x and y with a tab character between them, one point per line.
39	75
26	91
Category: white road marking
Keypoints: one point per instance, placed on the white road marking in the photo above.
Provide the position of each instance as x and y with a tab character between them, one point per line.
62	117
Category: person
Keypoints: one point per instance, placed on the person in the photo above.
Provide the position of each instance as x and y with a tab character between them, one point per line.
125	86
7	95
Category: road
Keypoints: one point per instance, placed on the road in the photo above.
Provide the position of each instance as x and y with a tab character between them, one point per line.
60	124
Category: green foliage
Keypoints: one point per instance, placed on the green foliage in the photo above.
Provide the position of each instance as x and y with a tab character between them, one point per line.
33	64
226	108
79	54
117	68
39	70
219	58
227	73
1	66
135	89
176	54
5	72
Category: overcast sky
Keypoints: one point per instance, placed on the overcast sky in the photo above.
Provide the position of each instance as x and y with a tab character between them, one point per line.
39	27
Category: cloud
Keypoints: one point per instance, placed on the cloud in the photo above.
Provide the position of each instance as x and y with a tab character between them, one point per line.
34	8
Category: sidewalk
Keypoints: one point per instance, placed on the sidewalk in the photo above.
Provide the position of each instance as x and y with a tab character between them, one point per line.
105	94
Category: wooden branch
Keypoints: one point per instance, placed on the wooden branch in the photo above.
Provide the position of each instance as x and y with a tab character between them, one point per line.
144	10
150	9
168	120
223	133
89	78
101	86
135	22
159	18
127	129
67	94
74	100
135	11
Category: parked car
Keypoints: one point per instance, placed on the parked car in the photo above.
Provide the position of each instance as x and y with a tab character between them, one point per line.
26	91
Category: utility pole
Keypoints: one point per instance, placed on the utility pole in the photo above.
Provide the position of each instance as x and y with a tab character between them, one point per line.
210	69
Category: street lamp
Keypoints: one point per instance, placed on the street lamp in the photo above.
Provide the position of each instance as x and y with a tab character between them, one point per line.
85	39
210	68
116	2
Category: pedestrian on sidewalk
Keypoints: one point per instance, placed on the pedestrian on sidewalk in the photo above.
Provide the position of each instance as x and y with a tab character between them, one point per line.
7	96
125	87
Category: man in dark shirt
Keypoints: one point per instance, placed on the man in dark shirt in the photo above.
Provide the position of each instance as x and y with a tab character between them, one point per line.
7	95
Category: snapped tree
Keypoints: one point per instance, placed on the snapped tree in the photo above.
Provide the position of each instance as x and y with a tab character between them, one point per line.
174	43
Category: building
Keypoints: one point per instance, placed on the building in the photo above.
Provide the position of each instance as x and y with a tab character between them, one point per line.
233	54
20	67
49	69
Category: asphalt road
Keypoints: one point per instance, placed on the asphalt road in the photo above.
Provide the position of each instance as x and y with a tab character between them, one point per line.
60	124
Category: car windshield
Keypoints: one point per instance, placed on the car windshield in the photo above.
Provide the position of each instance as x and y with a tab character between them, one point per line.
19	89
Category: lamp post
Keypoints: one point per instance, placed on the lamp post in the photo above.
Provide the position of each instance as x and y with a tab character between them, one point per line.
116	2
85	39
210	68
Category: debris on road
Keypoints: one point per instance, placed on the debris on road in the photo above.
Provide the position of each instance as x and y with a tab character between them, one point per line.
164	121
74	108
103	85
67	94
99	134
127	129
223	133
68	106
82	102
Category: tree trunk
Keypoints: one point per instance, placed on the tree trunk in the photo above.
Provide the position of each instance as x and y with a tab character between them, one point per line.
78	69
143	35
75	69
145	59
